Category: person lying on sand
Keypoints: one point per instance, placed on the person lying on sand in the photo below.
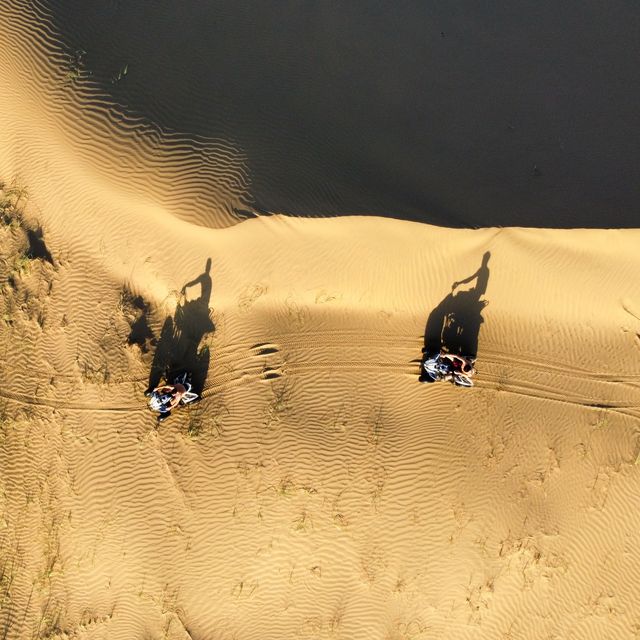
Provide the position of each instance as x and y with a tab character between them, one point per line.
166	397
447	366
163	398
459	364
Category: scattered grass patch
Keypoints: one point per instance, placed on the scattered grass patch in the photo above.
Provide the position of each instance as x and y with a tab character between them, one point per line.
12	199
303	523
75	67
278	406
121	74
206	420
375	428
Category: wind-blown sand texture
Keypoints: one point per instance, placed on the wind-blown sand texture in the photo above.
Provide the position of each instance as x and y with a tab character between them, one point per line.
317	490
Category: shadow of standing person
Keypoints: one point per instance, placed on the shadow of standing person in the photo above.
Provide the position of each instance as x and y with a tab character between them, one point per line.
179	348
454	325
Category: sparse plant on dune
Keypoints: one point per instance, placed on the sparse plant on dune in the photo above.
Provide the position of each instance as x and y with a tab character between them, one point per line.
75	68
52	616
372	565
250	294
503	379
244	589
376	482
278	405
127	301
49	623
297	313
303	522
4	423
121	74
246	468
167	601
24	292
374	431
338	420
7	319
206	419
194	426
412	630
338	515
286	488
12	199
602	420
340	520
22	263
96	374
7	578
25	242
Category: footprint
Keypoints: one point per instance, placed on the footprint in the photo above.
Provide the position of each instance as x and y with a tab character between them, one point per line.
271	374
272	370
265	349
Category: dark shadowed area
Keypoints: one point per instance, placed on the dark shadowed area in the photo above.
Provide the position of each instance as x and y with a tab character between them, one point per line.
181	347
458	114
454	324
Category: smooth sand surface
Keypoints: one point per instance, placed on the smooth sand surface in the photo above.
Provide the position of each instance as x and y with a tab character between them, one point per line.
317	490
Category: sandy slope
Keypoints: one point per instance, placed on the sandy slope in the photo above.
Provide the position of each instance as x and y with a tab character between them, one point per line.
317	491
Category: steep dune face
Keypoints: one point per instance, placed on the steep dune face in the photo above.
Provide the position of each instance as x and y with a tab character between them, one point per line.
57	112
317	490
456	115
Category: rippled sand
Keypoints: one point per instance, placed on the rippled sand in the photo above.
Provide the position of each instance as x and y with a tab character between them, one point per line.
317	490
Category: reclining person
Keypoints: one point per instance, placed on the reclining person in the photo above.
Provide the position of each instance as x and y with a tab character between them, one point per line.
444	366
166	397
460	364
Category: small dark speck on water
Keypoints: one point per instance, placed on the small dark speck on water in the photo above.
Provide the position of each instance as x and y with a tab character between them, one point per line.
536	172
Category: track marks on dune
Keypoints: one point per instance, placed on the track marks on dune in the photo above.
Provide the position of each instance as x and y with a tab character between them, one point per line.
590	391
385	345
523	374
263	351
270	361
326	352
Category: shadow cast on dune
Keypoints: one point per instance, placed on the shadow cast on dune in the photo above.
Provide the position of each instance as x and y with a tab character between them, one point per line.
141	333
454	325
413	110
179	347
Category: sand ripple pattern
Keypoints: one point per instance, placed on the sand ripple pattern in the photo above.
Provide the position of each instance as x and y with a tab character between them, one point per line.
317	490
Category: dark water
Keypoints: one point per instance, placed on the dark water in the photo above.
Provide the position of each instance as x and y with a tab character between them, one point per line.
462	113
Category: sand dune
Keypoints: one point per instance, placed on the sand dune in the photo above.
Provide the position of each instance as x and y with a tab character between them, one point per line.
317	490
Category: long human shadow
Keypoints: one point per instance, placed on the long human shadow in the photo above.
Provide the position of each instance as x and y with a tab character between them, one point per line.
179	347
454	324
